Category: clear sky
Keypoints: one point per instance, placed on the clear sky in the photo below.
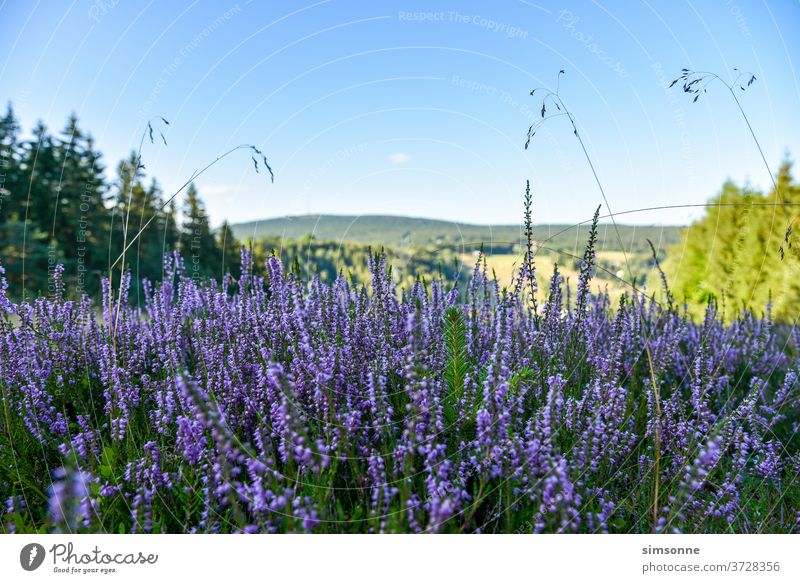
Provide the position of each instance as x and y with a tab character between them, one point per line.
416	108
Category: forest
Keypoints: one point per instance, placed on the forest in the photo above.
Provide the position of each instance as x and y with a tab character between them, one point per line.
304	385
59	207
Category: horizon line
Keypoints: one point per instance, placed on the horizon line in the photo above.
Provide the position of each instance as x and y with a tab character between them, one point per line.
457	222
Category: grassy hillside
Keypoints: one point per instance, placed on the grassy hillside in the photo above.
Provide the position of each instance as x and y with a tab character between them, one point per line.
424	247
400	232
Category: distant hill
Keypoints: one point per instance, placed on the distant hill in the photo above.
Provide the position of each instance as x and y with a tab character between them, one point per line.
399	232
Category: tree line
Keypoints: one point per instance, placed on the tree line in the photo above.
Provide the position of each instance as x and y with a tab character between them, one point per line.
743	253
307	258
57	206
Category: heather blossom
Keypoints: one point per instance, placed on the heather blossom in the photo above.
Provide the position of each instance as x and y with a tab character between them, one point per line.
267	403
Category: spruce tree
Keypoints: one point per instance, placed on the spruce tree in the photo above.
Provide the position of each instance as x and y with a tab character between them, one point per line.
9	164
40	175
80	217
229	251
135	205
733	251
197	243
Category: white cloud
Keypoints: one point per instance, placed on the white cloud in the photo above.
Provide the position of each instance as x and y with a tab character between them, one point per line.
399	158
220	189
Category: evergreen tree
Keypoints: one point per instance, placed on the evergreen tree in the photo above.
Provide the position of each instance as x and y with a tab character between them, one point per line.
25	252
9	163
80	217
56	207
732	253
197	243
33	249
135	205
40	176
229	251
170	234
27	274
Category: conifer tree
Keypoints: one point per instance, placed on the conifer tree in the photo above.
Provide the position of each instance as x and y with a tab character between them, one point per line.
40	179
229	251
80	217
9	163
733	252
197	243
136	204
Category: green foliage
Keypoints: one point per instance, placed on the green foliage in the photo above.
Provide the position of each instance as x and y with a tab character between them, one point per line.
402	232
308	258
230	254
197	243
28	270
733	253
136	203
51	206
58	207
457	360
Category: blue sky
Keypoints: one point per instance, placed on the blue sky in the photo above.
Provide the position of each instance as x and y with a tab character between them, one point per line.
416	108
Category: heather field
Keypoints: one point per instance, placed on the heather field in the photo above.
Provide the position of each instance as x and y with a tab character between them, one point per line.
333	267
275	403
